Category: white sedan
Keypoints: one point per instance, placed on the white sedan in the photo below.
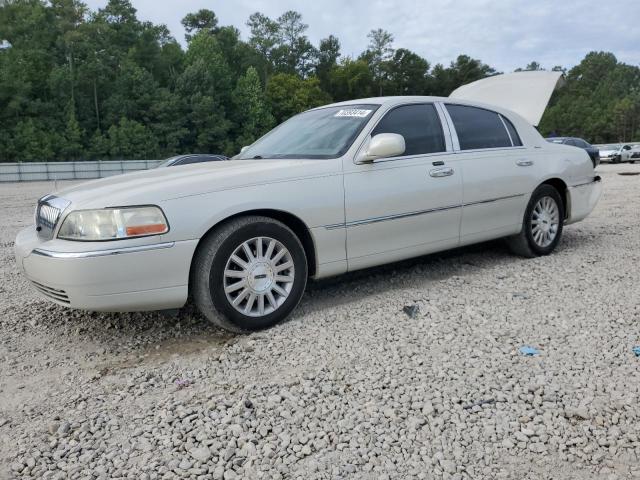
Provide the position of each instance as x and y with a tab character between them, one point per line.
334	189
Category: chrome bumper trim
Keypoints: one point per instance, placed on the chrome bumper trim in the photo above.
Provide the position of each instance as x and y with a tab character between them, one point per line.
102	253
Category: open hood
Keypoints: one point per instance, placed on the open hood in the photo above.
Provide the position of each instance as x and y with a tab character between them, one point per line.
526	93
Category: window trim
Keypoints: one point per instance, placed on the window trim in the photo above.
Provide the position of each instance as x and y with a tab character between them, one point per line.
456	140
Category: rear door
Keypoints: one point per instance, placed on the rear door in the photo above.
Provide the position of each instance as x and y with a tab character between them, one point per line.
497	170
407	205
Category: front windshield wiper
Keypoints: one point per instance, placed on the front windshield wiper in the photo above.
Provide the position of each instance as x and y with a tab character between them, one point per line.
257	157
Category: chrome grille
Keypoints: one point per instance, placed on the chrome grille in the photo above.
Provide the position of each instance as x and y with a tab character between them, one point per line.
47	215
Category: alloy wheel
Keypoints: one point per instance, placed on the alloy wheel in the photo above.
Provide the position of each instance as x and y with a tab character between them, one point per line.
545	219
259	276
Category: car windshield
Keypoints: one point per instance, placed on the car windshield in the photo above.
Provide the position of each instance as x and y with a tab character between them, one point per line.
322	133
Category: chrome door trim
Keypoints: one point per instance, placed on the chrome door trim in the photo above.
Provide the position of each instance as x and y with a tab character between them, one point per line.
491	200
397	216
102	253
385	218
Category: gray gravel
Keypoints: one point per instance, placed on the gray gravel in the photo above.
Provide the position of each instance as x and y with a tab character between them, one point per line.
355	385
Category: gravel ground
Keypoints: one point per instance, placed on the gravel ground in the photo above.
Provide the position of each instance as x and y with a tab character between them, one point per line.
352	386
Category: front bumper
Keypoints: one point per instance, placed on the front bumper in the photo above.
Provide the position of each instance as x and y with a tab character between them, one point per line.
112	279
583	198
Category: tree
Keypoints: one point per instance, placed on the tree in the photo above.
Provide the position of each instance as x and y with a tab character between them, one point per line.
131	140
253	117
295	51
464	70
378	53
289	94
265	39
202	21
531	67
327	59
351	79
406	73
72	147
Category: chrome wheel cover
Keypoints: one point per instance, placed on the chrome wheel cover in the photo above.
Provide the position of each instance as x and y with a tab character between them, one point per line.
545	220
258	276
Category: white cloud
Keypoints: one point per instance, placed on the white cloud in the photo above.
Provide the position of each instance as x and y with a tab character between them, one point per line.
503	33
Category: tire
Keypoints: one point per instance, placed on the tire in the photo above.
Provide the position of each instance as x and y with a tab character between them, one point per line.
533	241
216	275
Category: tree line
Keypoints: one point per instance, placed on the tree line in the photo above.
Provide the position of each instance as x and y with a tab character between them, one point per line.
77	84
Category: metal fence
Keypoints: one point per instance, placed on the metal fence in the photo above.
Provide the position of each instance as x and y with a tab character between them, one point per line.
39	171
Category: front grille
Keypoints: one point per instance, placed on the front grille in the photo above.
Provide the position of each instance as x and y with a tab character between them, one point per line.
52	293
48	213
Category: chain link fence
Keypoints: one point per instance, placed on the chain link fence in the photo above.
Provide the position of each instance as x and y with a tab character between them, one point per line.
42	171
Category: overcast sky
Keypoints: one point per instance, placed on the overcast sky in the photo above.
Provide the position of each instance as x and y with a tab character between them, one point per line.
506	34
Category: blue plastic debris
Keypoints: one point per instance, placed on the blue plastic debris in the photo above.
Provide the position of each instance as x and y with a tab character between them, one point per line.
636	351
529	351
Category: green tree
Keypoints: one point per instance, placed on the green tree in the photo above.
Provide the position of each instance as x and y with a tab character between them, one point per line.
288	94
131	140
31	142
378	53
253	117
351	79
72	147
203	20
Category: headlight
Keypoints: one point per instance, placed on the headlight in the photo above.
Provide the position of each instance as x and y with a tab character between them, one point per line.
113	224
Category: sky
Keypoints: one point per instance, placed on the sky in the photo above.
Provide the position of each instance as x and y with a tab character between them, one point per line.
505	34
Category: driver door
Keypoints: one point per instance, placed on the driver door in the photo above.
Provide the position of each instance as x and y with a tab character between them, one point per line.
407	205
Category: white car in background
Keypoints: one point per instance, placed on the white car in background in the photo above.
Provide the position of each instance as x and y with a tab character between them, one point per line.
619	152
334	189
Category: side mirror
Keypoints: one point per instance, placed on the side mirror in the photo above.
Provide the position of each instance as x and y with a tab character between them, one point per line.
244	148
381	146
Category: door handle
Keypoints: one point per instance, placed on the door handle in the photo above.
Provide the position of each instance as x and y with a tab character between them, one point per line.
441	172
524	163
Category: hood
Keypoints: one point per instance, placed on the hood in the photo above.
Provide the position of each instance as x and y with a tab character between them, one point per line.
526	93
161	184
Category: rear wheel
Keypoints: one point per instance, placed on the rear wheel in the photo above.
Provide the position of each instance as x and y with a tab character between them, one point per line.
541	225
249	274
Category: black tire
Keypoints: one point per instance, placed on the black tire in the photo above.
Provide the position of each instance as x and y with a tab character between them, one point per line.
524	244
210	261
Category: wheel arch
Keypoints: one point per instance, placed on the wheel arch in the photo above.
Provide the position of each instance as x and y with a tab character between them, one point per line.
298	226
563	190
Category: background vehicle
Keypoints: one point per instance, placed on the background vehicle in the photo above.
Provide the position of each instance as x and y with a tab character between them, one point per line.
190	158
620	152
594	152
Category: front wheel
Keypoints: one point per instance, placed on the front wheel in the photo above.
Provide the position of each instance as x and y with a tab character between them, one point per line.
541	225
249	274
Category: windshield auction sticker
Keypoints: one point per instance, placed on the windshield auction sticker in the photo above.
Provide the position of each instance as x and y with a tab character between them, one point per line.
353	112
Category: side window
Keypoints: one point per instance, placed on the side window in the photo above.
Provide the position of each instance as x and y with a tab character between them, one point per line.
570	141
515	138
478	128
419	125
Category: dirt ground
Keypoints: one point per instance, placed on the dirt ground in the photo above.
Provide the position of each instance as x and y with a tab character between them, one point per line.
351	386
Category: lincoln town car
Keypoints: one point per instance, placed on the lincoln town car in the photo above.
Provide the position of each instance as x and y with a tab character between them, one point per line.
334	189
